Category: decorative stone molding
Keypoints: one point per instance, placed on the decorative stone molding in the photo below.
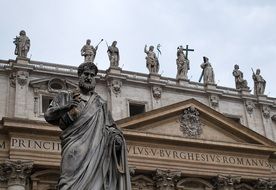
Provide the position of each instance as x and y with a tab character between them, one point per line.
115	86
226	182
22	77
3	175
141	182
52	85
249	104
265	184
156	92
190	123
166	179
194	183
214	100
16	172
266	111
243	186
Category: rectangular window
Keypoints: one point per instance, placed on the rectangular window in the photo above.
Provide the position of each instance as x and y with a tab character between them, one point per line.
46	100
135	109
236	119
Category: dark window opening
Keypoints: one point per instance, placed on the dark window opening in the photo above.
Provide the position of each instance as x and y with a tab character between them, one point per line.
46	100
236	119
56	86
135	109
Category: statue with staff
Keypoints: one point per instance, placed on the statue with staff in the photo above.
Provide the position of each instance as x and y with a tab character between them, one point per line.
89	52
152	61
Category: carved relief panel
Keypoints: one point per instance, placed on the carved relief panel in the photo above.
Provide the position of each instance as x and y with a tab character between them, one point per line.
115	86
156	92
190	123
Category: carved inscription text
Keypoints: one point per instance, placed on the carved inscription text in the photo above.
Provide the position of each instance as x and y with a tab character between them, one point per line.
211	158
37	145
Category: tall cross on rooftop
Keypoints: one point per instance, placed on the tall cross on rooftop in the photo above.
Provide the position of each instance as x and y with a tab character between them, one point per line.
187	50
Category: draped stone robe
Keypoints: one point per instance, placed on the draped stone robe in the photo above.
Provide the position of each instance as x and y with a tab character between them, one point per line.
93	149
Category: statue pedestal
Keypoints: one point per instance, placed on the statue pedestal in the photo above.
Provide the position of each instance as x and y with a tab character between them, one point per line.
262	97
183	82
114	70
22	60
245	91
210	86
154	76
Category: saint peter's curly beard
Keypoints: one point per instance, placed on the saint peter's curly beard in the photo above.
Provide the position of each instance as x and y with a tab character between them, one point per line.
87	85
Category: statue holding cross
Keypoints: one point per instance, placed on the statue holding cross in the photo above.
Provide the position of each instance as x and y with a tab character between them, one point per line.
182	62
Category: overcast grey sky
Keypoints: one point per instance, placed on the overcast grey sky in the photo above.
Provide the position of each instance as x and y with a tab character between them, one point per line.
229	32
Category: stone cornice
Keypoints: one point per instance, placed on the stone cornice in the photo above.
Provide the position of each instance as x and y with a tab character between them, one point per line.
29	126
139	78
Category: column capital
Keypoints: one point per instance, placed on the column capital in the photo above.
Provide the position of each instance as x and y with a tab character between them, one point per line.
15	172
265	184
166	179
226	182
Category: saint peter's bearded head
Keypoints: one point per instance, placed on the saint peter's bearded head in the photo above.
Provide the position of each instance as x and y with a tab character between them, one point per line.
87	73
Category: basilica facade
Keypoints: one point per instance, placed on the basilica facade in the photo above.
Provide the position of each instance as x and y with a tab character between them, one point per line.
180	134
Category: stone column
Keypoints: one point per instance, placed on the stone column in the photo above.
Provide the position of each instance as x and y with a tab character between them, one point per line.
166	179
224	182
16	173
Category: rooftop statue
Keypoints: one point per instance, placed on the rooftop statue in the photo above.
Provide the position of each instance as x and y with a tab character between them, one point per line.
89	52
207	72
93	148
22	44
151	60
259	82
113	54
240	82
183	64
